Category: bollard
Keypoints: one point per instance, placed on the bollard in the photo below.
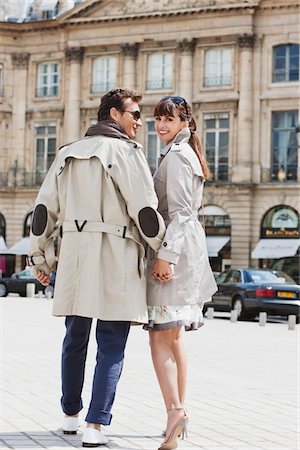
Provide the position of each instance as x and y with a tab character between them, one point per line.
233	315
262	319
291	322
210	313
30	290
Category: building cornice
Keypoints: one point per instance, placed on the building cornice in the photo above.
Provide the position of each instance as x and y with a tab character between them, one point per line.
75	19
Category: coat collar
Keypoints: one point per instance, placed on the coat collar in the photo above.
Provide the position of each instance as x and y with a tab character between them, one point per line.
183	136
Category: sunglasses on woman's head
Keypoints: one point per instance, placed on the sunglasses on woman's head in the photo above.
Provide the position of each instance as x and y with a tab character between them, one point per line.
135	114
177	100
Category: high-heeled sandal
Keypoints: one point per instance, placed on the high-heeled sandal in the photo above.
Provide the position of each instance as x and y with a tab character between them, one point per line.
179	429
186	420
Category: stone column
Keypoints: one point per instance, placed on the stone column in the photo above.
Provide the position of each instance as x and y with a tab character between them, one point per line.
241	171
129	52
185	85
72	109
20	66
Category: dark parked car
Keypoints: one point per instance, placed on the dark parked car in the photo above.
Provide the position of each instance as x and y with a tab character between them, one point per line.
18	281
289	265
250	291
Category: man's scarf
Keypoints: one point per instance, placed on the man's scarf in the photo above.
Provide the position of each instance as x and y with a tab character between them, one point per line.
107	128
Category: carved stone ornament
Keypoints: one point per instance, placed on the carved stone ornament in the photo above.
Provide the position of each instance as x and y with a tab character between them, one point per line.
246	40
119	8
130	49
186	46
74	53
20	60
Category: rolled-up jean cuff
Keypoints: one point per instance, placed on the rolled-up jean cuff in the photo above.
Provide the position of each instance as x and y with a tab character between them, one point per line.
72	408
102	417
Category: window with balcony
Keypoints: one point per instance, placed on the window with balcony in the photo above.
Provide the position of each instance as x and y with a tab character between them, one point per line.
159	71
153	146
45	143
284	146
285	63
104	74
216	142
47	80
217	67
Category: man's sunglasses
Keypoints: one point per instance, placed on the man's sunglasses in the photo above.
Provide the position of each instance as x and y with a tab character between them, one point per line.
135	114
177	100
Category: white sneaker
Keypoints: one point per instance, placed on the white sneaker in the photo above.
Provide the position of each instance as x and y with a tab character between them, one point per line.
93	438
70	425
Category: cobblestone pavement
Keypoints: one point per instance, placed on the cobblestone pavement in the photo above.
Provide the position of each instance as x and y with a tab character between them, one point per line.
242	394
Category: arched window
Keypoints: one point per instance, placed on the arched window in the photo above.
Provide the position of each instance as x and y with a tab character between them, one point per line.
285	63
218	232
27	224
2	226
280	222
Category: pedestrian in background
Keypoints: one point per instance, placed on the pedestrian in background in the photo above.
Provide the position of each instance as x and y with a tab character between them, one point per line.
99	192
180	279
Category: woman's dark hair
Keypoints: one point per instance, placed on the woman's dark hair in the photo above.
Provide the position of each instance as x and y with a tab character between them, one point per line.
170	105
115	99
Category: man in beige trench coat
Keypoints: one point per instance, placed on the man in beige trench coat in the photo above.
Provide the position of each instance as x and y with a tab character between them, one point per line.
99	194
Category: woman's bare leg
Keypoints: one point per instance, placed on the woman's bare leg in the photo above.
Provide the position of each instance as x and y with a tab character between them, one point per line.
180	356
165	366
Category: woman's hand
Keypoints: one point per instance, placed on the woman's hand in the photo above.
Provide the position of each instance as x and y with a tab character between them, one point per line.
43	278
162	270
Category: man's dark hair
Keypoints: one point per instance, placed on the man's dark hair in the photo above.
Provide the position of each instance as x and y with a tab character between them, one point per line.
115	99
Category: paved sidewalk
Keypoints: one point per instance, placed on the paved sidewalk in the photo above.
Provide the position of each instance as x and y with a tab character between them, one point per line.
242	394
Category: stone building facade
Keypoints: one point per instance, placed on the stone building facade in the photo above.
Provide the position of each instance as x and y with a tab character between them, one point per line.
237	62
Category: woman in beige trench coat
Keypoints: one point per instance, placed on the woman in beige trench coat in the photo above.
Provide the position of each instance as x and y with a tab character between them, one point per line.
180	279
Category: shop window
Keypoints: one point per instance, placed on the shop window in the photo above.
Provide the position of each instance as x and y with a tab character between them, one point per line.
45	144
216	142
159	71
104	74
285	63
218	67
284	146
47	80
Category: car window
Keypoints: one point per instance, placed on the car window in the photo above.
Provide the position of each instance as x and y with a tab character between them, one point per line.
278	265
234	276
222	276
269	276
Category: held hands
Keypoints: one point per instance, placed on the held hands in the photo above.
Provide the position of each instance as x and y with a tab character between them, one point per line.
162	270
43	278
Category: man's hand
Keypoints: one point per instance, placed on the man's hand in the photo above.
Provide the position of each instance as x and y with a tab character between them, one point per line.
43	278
162	270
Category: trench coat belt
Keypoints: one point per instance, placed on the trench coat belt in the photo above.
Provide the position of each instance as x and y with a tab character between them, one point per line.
94	226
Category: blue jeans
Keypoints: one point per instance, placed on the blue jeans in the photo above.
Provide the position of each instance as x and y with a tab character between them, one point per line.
111	339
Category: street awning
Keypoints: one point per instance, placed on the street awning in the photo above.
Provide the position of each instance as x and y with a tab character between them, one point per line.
275	248
215	244
20	248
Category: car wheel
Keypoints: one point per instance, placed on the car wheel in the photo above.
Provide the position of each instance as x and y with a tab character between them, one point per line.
238	306
3	290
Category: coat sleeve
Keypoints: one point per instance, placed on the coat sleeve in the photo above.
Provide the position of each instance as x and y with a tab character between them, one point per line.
179	188
45	216
132	175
